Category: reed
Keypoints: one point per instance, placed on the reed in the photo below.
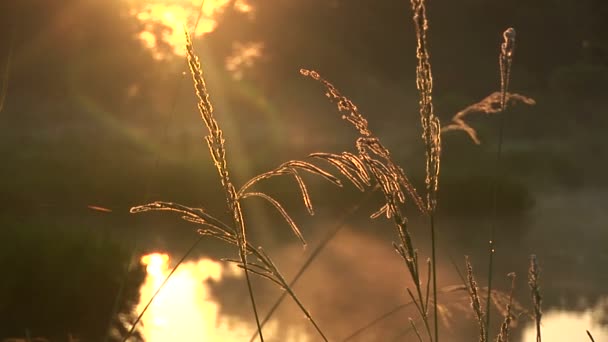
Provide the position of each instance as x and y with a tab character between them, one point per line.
505	59
235	232
373	165
431	128
369	166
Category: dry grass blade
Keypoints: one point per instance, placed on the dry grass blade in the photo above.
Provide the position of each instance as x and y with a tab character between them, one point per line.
358	165
345	165
368	143
281	210
491	104
419	306
197	215
257	269
304	190
400	336
415	329
291	167
170	206
264	275
287	168
384	210
475	300
533	282
314	170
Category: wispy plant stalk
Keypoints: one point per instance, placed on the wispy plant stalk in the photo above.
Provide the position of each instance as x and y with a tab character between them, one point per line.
373	163
505	60
431	128
234	234
215	142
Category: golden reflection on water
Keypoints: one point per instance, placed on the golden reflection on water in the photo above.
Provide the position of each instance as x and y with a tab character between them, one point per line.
184	309
568	326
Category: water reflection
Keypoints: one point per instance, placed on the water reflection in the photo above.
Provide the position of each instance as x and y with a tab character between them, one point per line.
358	278
184	310
564	325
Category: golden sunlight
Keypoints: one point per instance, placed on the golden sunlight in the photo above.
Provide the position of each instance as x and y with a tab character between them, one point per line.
558	325
184	309
164	21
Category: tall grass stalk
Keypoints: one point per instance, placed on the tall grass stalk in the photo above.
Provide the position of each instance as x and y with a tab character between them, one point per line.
505	60
215	142
431	136
234	234
175	96
373	163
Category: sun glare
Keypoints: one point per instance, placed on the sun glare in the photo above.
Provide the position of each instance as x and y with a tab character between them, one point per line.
164	21
184	309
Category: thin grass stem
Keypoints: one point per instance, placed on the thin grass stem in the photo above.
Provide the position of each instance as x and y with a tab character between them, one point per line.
505	60
415	329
